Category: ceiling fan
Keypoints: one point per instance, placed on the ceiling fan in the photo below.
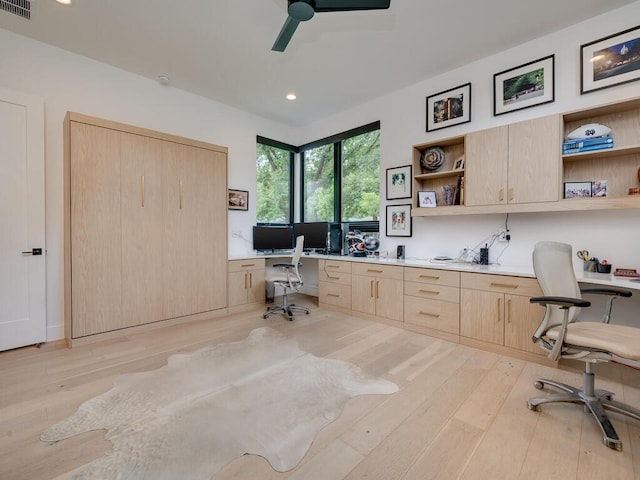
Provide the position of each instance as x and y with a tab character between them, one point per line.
303	10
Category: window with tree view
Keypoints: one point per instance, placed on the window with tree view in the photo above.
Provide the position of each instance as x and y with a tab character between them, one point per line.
274	189
361	177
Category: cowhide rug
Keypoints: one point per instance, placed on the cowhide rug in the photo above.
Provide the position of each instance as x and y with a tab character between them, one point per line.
187	419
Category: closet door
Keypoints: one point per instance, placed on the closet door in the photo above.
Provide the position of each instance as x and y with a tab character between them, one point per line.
142	229
96	252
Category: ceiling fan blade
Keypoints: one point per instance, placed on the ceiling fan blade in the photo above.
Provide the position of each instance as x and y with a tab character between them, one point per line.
285	34
347	5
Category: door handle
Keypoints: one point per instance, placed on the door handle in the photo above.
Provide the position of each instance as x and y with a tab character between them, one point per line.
33	251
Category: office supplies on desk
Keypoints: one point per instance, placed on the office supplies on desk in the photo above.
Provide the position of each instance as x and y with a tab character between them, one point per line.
583	254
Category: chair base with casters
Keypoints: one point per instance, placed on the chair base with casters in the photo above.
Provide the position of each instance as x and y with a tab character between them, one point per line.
562	336
285	309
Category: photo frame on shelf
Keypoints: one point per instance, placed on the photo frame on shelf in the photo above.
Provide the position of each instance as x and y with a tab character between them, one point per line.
449	108
399	182
459	163
398	220
427	199
238	199
524	86
610	61
577	189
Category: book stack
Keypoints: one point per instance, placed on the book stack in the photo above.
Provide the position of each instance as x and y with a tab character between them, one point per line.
587	144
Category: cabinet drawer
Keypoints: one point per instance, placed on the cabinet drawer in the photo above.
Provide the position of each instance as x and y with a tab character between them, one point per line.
335	294
434	292
334	266
375	270
527	287
245	265
334	277
432	275
443	316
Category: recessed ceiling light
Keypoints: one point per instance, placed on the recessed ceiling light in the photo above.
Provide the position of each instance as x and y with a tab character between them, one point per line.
64	2
163	79
291	96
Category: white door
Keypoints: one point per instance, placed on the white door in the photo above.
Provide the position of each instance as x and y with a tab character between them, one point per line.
22	265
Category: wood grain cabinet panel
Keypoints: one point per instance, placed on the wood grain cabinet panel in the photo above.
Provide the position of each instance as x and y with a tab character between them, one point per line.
246	282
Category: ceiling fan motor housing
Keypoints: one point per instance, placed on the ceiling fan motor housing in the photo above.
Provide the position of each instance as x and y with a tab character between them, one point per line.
301	11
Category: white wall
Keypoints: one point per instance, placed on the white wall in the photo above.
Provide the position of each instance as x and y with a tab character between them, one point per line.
610	234
68	82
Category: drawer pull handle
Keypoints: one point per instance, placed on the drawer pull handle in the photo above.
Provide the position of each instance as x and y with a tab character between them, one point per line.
503	285
432	292
427	314
332	278
245	265
433	277
374	271
332	266
332	295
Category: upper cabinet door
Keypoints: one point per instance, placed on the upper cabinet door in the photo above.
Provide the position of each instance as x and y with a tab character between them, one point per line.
534	160
486	163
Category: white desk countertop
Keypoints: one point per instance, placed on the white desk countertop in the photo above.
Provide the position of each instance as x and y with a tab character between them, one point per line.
603	279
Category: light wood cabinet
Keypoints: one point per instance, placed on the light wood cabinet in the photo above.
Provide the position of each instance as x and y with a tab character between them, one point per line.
334	283
431	302
495	312
378	290
246	282
517	163
145	226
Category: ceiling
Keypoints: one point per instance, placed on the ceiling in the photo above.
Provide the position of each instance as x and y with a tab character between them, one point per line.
222	49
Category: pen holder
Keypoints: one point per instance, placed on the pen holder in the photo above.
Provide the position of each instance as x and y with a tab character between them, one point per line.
590	266
604	268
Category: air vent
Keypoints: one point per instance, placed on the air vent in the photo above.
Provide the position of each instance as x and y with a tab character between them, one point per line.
22	8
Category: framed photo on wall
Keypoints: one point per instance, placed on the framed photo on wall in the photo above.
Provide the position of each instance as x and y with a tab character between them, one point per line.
449	108
238	200
399	182
398	220
524	86
610	61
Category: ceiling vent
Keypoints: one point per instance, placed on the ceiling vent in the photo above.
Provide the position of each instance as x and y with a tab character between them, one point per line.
22	8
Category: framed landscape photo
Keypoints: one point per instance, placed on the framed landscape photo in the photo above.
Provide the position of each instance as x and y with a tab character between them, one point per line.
448	108
610	61
238	200
577	189
399	182
427	199
398	220
524	86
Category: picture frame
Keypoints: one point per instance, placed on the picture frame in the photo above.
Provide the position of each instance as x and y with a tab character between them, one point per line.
427	199
238	200
577	189
607	62
527	85
399	181
599	188
448	108
399	220
459	163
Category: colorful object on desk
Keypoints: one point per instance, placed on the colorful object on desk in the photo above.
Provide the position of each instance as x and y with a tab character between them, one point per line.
626	272
583	255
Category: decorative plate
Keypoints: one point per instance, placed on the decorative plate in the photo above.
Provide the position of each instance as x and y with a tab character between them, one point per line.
432	158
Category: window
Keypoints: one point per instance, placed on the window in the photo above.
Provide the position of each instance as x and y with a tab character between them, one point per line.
274	185
341	177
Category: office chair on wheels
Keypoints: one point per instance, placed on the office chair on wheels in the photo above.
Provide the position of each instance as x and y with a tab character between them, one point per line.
289	279
562	336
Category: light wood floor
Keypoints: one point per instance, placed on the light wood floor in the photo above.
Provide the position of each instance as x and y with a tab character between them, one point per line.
460	413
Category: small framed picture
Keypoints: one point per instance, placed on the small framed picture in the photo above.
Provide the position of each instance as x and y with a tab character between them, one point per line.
238	200
599	188
610	61
524	86
577	189
398	220
426	199
459	164
449	108
399	182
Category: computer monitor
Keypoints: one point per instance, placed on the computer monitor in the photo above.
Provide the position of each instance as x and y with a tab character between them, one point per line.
315	234
272	237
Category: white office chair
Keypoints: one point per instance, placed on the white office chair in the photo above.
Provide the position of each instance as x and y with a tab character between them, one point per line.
562	336
289	279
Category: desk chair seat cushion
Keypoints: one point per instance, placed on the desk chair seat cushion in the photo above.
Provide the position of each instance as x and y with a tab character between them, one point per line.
620	340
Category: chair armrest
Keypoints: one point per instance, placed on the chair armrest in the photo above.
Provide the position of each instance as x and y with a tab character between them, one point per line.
564	302
620	292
